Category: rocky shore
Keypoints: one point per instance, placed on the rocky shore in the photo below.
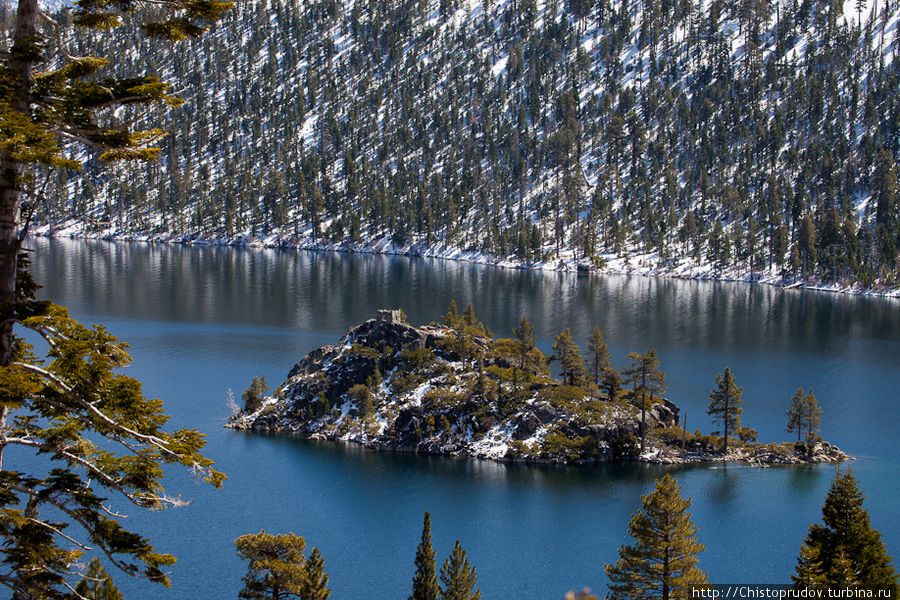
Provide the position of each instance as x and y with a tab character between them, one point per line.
453	389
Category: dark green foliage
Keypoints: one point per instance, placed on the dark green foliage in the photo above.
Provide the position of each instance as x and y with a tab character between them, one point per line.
568	353
804	416
812	416
254	395
601	365
362	397
458	579
625	446
746	434
662	563
278	568
525	335
795	414
581	447
425	581
97	584
647	381
726	404
845	549
740	160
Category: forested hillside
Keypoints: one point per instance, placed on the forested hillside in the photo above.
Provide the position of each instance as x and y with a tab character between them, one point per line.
722	138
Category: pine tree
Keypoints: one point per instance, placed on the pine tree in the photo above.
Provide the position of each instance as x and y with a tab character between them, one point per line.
611	383
807	571
279	569
725	404
76	408
48	101
97	584
662	563
846	548
647	381
812	418
451	319
569	356
315	586
795	414
69	404
525	335
525	341
458	579
425	581
600	365
804	413
254	395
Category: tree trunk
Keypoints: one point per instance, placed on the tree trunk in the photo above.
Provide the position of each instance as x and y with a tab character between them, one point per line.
21	64
643	405
725	420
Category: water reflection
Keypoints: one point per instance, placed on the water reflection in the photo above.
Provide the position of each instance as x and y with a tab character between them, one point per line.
305	290
203	319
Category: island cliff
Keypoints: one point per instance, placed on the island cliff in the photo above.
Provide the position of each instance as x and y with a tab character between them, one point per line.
456	390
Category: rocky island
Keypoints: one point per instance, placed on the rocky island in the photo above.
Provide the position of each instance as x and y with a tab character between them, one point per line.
453	389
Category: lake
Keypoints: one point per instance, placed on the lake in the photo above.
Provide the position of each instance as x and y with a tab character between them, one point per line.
203	320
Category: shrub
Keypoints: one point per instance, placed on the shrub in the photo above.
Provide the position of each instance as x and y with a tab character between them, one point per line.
556	443
362	397
441	399
672	436
624	446
364	351
705	443
746	434
562	396
419	358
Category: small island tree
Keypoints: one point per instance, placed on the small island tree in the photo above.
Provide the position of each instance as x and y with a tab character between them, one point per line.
601	358
795	414
254	395
725	404
662	563
568	353
804	414
812	418
525	341
647	381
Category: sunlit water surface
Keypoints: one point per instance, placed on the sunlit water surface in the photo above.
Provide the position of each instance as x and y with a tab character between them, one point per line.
201	321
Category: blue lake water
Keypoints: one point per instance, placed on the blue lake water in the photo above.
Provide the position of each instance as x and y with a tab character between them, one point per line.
203	320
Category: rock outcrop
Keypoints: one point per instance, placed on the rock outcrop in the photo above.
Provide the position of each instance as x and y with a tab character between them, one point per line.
456	390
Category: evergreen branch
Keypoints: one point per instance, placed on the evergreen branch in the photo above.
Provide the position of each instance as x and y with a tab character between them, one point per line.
59	533
109	482
148	439
75	516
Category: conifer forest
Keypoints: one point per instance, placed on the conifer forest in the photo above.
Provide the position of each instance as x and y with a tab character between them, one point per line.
752	138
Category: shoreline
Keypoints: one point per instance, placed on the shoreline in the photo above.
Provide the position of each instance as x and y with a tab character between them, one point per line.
647	264
759	456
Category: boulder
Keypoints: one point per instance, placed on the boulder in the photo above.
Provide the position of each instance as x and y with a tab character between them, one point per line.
526	424
545	412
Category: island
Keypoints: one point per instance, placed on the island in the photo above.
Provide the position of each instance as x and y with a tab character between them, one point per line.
454	389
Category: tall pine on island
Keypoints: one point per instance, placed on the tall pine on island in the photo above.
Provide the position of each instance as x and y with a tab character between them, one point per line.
725	405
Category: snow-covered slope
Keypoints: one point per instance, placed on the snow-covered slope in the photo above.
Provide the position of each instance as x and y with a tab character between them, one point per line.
702	139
